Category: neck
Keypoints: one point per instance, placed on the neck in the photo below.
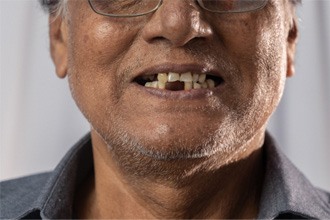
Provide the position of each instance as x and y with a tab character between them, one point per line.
199	190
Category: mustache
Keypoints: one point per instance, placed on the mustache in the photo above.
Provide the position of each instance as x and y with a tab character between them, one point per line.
207	56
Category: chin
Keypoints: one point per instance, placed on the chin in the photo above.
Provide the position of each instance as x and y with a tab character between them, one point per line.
169	140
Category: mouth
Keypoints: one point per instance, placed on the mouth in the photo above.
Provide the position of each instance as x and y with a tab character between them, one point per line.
174	81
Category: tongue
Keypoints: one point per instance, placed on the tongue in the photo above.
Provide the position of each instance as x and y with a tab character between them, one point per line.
174	86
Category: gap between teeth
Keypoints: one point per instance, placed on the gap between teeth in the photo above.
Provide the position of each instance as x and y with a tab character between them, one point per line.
191	81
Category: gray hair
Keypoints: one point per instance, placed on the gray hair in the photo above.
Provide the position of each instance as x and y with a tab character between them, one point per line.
59	7
55	7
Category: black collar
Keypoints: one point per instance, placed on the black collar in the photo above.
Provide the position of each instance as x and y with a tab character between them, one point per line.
286	191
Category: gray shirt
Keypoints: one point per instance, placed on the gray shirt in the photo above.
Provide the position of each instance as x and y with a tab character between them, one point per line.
286	192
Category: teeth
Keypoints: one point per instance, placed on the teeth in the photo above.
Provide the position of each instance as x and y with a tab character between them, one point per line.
210	83
202	78
204	85
186	77
162	77
161	84
197	85
188	85
153	84
148	84
195	77
172	77
191	81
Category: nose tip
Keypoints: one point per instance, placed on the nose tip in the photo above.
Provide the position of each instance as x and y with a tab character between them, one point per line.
177	22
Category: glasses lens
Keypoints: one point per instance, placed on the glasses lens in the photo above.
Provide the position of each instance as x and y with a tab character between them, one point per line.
232	5
124	7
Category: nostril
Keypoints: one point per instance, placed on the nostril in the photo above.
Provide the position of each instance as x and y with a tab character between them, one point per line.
156	39
177	23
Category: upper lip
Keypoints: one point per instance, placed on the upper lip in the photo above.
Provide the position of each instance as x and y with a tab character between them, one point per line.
178	68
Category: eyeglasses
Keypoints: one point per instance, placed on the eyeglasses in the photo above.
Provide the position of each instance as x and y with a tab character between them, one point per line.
133	8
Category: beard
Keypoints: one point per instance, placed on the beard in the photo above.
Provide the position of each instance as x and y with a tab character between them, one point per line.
176	158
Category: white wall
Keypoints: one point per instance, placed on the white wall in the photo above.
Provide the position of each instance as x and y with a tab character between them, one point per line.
302	121
39	120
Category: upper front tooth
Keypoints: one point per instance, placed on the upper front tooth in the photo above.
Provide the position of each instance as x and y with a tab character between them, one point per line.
186	77
162	77
172	77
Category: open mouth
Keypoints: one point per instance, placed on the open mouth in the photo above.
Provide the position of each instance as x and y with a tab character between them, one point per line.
179	81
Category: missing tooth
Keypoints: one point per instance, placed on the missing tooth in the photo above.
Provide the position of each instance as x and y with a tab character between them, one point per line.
178	82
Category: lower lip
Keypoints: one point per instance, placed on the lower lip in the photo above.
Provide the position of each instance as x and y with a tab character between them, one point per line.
182	94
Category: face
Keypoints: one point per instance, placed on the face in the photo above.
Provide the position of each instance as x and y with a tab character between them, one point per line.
107	61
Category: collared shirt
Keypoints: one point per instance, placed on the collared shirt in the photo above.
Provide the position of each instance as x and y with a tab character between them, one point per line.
286	192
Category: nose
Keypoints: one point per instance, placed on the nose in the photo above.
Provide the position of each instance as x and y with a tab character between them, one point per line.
178	22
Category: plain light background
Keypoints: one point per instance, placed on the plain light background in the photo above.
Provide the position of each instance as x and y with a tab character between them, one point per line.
40	122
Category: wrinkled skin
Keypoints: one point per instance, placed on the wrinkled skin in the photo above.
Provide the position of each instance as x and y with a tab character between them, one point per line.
101	56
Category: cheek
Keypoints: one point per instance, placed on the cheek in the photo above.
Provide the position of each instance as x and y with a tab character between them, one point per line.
272	58
259	52
240	39
269	66
96	50
102	43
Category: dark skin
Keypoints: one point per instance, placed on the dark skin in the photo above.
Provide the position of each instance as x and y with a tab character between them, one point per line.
165	154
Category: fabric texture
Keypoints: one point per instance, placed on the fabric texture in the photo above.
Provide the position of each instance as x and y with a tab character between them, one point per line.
286	193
